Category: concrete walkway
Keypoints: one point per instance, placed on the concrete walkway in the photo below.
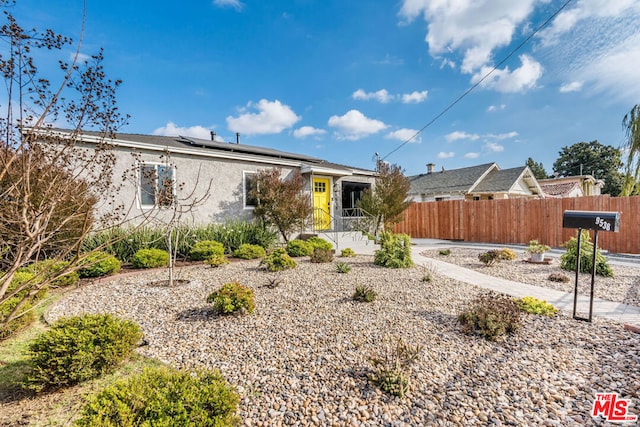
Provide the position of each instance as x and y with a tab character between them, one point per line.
623	313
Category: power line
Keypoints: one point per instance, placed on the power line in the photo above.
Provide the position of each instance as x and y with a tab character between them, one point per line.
479	82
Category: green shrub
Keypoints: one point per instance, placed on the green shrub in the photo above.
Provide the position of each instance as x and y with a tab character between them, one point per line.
249	251
150	258
278	260
99	264
391	368
490	257
319	242
364	294
51	269
535	306
491	316
507	254
298	248
347	252
25	316
321	255
343	267
445	252
205	249
558	277
394	252
77	349
217	260
164	397
232	297
568	260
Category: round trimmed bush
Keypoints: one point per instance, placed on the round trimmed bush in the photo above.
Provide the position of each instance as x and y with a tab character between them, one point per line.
298	248
278	260
347	252
150	258
25	316
249	251
98	264
232	297
80	348
164	397
319	242
51	269
217	260
204	249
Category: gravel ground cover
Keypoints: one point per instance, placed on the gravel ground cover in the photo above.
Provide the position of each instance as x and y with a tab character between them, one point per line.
623	287
302	358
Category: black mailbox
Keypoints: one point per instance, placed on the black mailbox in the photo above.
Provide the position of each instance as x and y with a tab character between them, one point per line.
591	220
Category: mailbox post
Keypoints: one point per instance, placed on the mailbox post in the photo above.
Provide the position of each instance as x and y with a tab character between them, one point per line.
589	220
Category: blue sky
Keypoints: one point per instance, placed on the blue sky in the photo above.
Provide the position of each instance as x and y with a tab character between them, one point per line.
342	80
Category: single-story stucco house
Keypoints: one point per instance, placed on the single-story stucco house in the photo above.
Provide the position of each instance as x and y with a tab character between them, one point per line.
482	182
225	172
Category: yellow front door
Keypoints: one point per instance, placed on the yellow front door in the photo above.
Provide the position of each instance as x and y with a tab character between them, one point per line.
321	204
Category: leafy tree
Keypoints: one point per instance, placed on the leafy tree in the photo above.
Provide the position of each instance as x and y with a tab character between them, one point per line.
592	158
281	202
388	198
631	125
537	169
50	187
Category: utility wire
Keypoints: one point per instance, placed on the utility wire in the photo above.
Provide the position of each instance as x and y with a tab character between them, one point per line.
479	82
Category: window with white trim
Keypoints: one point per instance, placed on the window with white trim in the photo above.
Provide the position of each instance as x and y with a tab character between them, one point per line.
157	185
248	185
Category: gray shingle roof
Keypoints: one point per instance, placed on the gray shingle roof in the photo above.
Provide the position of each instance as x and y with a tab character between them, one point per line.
499	180
204	146
451	181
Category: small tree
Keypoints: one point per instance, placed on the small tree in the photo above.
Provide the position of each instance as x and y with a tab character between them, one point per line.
388	199
51	187
281	202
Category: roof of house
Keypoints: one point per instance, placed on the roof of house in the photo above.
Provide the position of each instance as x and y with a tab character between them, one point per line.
210	148
559	189
450	181
499	180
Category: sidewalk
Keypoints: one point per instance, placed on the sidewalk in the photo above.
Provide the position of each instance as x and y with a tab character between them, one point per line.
623	313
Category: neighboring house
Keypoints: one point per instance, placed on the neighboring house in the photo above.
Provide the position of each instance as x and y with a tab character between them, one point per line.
228	171
572	186
482	182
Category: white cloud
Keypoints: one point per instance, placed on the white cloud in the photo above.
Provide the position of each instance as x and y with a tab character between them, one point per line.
500	136
519	80
456	135
235	4
476	27
494	147
82	57
616	71
194	131
443	155
404	135
571	87
447	63
272	117
492	108
584	10
382	95
354	125
306	131
414	97
471	155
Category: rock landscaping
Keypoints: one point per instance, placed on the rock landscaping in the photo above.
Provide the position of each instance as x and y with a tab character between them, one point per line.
304	356
623	287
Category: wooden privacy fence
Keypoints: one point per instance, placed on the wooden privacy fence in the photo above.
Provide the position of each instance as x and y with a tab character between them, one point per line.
518	221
